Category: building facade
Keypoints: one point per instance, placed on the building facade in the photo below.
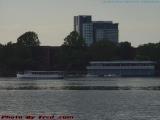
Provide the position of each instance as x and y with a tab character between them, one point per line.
93	31
121	68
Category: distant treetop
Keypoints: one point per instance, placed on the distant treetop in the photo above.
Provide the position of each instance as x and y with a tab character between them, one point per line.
28	39
74	40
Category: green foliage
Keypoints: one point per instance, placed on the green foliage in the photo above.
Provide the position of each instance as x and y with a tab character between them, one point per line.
28	39
18	56
74	40
102	50
150	51
1	46
71	58
72	55
125	51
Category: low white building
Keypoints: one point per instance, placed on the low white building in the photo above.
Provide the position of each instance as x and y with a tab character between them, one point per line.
121	68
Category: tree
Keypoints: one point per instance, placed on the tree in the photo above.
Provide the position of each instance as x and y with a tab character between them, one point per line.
102	50
72	53
25	43
1	46
148	51
125	51
74	40
28	39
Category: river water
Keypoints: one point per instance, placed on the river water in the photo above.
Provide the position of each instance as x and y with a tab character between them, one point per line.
82	98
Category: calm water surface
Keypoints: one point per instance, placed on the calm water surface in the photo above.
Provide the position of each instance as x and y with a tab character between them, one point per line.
83	98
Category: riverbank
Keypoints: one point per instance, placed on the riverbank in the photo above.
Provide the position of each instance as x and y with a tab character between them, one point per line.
103	98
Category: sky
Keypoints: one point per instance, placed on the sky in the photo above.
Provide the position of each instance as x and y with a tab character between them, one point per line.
52	20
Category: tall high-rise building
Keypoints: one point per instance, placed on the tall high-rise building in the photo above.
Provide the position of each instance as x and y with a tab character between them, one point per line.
93	31
84	26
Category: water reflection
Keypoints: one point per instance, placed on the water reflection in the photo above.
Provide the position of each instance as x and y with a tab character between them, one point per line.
99	99
81	84
32	87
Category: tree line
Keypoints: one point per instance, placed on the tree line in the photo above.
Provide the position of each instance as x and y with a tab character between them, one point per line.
72	55
17	56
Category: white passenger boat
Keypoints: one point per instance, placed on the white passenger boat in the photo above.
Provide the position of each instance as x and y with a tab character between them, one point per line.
41	75
121	68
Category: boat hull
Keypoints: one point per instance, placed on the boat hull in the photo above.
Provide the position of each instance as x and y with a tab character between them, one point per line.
25	76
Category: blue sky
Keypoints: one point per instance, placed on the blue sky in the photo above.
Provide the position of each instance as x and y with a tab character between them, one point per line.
53	19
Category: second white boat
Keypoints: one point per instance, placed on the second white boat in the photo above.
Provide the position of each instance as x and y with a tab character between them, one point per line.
41	75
